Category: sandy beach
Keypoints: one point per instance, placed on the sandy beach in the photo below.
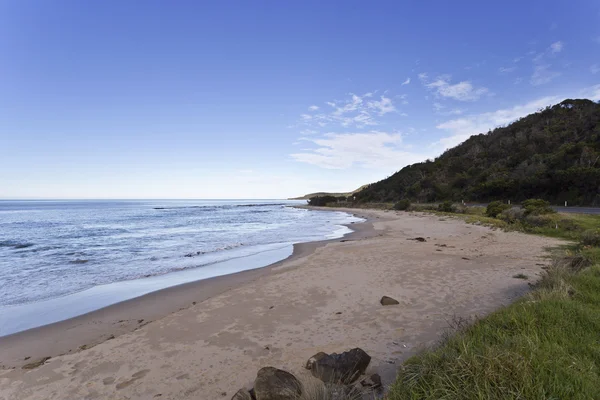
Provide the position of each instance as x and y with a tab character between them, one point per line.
207	339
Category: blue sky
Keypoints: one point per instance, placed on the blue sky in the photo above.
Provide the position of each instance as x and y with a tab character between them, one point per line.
268	99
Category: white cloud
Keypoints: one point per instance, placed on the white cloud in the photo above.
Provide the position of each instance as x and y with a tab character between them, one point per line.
594	69
366	149
557	47
423	76
355	111
543	74
592	93
383	106
462	91
505	70
313	108
518	80
406	82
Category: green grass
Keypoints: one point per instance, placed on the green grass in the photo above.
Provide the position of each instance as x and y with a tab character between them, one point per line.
544	346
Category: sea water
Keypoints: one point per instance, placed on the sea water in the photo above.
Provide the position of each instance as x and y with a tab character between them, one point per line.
59	259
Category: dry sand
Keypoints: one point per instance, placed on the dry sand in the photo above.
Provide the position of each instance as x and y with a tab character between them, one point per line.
207	339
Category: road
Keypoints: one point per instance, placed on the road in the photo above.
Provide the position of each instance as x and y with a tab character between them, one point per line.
569	210
578	210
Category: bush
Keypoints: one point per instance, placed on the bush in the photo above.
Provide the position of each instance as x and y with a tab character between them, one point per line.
512	215
537	207
402	205
540	221
591	237
495	208
446	207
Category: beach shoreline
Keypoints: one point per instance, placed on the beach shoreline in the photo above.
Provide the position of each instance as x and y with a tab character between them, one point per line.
92	328
324	298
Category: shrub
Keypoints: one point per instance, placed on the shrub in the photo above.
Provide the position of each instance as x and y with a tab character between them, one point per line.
591	237
539	220
495	208
446	207
402	205
512	215
537	207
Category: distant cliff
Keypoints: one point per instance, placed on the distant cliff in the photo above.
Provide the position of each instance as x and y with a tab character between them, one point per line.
321	194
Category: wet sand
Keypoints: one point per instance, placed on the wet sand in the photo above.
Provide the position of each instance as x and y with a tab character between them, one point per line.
206	338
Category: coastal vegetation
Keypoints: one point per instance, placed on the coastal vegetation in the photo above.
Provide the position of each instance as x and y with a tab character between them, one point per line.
553	154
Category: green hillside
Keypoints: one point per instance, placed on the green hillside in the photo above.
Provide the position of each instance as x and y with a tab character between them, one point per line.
553	154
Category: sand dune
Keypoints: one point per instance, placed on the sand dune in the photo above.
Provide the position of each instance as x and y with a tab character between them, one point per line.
285	313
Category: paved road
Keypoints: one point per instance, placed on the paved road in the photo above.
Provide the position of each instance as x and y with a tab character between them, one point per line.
578	210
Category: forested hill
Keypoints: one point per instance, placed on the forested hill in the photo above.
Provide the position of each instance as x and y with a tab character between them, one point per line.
553	154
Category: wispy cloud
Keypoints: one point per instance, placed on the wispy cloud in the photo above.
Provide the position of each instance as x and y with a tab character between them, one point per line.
594	69
506	70
543	74
462	91
355	111
382	106
557	47
373	149
406	82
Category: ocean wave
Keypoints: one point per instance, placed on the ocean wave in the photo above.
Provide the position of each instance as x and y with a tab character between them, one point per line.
79	261
15	245
227	206
224	248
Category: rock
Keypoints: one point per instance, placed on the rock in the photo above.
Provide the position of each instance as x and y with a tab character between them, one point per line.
276	384
418	239
388	301
311	361
373	381
242	394
35	364
343	368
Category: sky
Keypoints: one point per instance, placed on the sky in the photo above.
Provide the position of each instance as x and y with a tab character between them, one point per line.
268	99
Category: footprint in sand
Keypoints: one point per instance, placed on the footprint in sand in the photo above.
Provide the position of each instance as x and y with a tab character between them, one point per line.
134	377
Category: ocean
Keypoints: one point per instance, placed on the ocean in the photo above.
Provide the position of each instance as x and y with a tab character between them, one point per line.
59	259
